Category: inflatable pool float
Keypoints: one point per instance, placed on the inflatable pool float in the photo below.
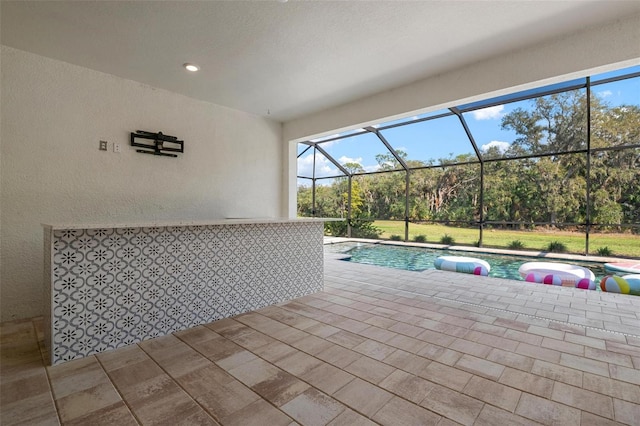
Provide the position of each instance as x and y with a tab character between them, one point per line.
624	267
565	274
467	265
549	279
586	284
626	284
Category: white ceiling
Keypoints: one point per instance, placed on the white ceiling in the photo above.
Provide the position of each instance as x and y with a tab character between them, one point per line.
289	59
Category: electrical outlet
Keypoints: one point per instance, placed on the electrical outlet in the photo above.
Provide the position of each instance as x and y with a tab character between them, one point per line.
116	147
103	145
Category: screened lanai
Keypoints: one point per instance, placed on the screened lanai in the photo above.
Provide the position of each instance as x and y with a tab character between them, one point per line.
553	164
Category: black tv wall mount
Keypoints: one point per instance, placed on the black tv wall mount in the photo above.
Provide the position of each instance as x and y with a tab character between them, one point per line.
156	143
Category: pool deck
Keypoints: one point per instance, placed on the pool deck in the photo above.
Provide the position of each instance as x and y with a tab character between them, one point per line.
377	346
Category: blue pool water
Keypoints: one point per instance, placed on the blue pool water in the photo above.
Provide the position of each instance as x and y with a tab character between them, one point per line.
420	259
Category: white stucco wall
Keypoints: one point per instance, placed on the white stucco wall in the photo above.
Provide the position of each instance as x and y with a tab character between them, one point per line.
53	116
593	50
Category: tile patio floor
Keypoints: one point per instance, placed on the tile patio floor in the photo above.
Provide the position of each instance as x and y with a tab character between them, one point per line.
378	346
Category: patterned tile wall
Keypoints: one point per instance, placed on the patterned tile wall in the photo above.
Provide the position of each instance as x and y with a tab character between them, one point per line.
114	287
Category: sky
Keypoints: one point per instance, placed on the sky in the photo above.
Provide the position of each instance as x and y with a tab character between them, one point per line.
445	137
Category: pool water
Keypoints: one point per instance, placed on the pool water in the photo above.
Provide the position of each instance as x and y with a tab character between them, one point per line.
420	259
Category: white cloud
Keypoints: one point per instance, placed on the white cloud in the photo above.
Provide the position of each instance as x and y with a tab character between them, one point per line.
326	168
323	166
605	93
327	145
490	113
344	160
373	168
502	146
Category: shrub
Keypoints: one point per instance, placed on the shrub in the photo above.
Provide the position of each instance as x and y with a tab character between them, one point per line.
447	239
420	239
604	251
360	228
336	229
556	247
395	238
364	228
516	245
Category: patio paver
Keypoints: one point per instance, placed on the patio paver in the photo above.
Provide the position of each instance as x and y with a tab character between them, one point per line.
377	346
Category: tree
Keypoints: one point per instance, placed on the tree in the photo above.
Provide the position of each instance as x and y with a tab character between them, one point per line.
615	173
556	123
305	201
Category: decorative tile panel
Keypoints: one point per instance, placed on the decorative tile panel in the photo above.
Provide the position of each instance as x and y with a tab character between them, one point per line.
118	286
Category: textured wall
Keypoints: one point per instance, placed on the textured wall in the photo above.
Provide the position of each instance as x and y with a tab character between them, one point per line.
54	114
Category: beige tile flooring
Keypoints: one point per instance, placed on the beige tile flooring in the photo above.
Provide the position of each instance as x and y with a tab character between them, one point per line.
378	346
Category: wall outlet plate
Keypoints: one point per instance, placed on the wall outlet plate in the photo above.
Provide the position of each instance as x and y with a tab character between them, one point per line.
103	145
116	147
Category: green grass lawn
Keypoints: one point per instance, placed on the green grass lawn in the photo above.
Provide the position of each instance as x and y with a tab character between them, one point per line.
620	244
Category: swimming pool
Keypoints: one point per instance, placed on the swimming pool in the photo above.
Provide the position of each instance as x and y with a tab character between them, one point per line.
420	259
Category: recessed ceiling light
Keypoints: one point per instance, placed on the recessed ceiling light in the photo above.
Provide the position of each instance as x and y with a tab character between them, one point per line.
191	67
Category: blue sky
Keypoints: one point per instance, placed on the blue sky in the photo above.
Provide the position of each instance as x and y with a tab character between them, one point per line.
445	137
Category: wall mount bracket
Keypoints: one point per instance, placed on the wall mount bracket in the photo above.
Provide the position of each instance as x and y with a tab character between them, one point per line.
156	143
